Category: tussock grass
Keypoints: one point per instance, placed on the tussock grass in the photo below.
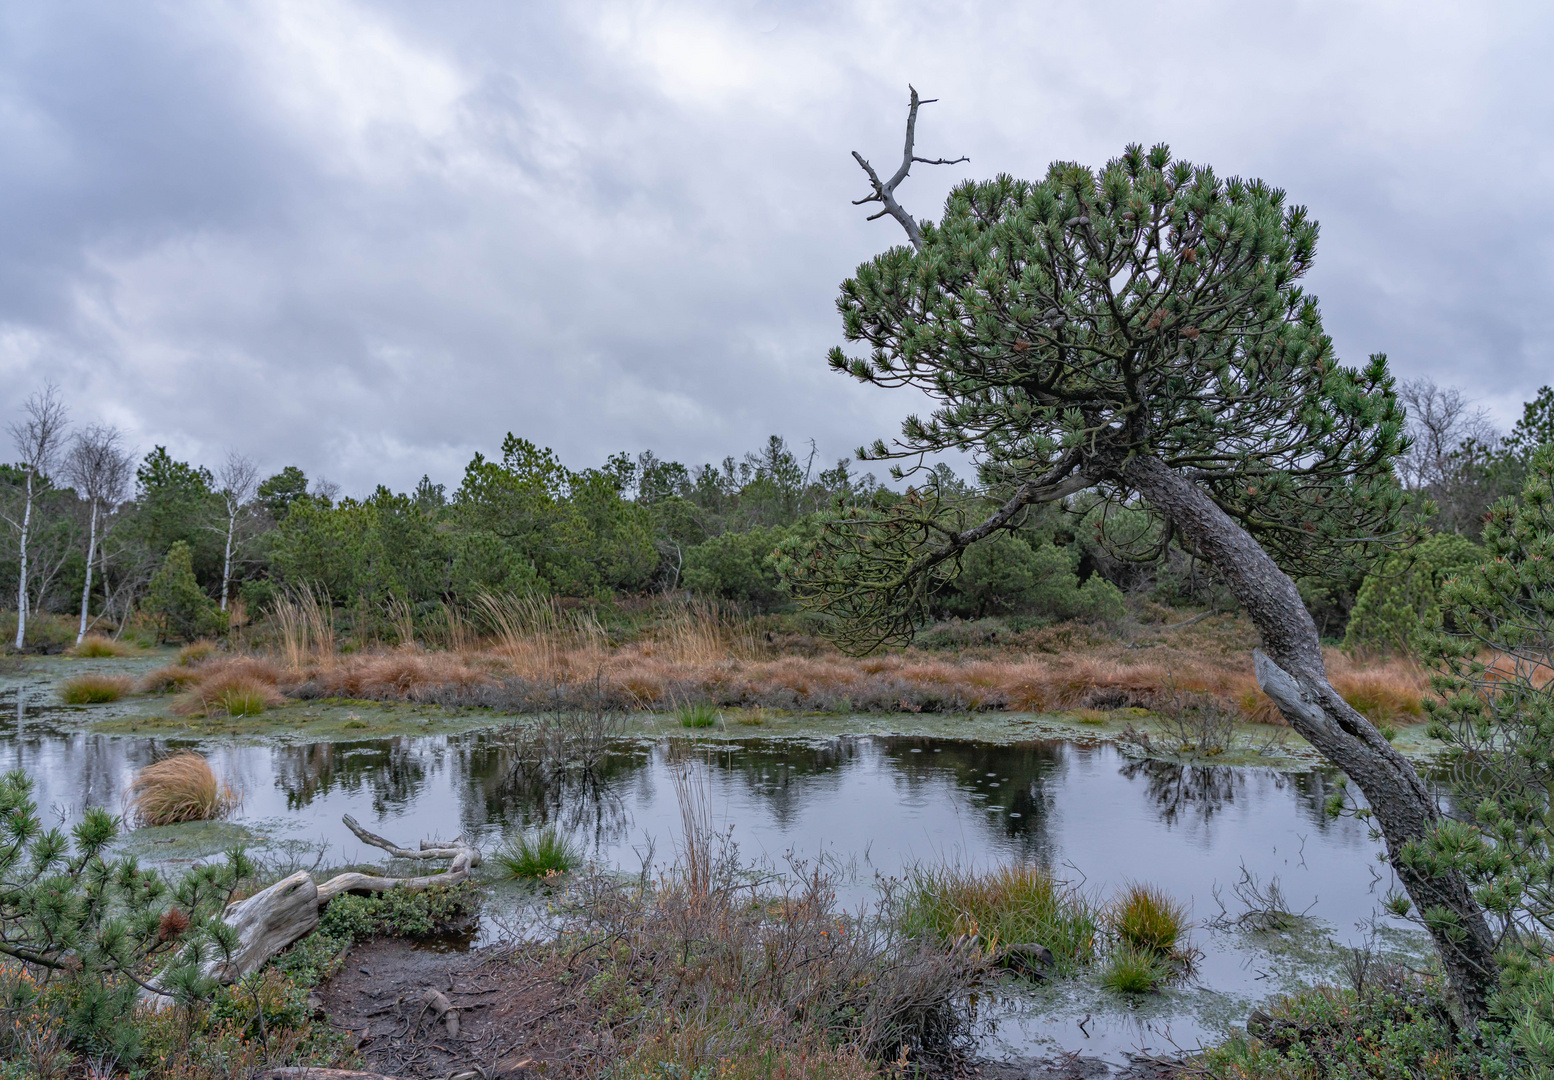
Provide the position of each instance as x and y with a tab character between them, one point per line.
94	688
1130	970
697	715
167	680
178	788
1146	918
540	853
1011	905
95	646
242	687
196	652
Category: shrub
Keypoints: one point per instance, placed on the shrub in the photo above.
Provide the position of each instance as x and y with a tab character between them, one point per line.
1009	574
1400	603
1495	714
97	928
539	854
176	602
95	646
94	688
739	566
1145	918
1130	970
1394	1026
1012	905
699	714
178	788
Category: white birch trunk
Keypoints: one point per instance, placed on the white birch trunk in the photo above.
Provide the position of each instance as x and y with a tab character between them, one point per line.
86	590
21	575
226	566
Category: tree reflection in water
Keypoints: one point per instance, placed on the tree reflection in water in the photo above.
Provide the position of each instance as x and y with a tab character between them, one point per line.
393	770
1177	789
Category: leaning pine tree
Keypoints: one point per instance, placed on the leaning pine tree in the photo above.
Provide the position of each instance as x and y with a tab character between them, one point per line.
1139	332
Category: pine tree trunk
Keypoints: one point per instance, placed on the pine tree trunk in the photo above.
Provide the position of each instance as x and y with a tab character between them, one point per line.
86	590
1291	670
21	575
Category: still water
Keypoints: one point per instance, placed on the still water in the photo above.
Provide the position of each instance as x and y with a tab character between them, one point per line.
872	806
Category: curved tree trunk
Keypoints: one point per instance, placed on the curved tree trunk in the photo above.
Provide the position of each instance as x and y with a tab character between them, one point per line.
1291	671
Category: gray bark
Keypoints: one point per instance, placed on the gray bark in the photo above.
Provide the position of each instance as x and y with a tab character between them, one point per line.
1291	671
287	911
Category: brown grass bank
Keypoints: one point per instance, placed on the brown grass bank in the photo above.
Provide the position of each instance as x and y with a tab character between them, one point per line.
543	658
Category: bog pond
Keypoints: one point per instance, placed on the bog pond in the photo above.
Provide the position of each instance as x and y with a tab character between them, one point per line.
869	807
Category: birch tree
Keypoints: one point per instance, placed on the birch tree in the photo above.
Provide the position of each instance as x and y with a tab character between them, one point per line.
99	468
37	439
237	479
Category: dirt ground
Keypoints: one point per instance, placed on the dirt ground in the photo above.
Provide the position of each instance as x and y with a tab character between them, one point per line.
516	1016
524	1015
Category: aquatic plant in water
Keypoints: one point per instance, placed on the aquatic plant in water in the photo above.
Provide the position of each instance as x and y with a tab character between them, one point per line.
94	688
1010	905
176	789
697	715
1145	917
1131	970
538	854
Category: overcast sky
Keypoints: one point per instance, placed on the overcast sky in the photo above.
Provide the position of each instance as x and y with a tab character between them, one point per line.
371	238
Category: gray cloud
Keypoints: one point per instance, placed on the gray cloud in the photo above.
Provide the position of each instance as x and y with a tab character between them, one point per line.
370	239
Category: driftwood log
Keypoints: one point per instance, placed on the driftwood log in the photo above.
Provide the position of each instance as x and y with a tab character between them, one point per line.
287	911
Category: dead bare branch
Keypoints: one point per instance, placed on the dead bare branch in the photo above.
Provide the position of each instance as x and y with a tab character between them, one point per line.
885	190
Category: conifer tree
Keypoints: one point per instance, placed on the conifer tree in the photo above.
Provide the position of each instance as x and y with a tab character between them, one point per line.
1138	332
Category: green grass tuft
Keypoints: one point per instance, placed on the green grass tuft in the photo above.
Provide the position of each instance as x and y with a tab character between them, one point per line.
94	689
539	854
1011	905
1146	918
244	701
700	715
1130	970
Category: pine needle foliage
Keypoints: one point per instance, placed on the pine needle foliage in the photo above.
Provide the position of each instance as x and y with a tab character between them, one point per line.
1065	326
1495	715
68	911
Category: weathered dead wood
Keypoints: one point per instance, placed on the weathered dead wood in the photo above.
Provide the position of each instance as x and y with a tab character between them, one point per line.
435	1000
287	911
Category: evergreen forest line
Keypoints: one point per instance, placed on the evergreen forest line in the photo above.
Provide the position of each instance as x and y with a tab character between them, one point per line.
189	551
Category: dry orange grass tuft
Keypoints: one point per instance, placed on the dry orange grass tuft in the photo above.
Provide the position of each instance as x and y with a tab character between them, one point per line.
240	687
395	676
94	646
196	652
178	788
165	680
